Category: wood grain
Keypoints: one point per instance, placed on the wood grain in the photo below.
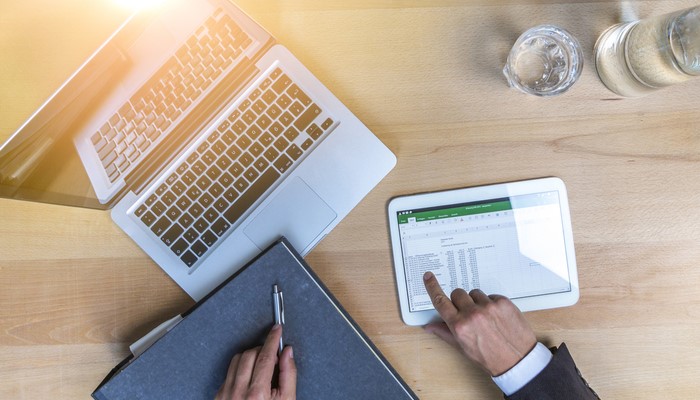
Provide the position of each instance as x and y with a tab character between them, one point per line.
425	76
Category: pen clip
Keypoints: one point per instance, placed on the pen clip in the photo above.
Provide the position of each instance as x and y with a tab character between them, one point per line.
281	305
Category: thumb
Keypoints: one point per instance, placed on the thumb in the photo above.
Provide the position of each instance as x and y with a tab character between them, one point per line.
441	330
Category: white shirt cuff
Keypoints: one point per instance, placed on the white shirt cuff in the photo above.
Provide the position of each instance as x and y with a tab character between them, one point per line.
523	372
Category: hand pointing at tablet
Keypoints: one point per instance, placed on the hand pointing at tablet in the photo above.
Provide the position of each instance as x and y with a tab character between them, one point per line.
492	332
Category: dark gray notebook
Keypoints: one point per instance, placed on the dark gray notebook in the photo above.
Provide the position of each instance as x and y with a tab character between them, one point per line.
335	360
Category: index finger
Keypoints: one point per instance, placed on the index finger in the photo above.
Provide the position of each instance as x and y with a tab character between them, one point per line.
444	306
265	364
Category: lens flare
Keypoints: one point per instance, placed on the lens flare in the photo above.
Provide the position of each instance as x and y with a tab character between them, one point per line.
137	5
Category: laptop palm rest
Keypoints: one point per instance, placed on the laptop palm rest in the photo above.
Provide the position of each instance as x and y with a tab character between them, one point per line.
300	225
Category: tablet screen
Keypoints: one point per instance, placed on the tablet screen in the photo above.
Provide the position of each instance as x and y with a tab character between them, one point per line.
512	246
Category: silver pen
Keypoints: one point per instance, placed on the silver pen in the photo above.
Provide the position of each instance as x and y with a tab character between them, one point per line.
278	302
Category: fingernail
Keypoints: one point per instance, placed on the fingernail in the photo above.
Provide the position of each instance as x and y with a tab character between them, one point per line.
427	276
291	352
276	327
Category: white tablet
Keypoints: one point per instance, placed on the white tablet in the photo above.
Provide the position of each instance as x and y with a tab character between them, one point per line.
512	239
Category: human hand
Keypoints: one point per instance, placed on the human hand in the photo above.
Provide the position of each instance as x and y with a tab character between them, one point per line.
490	330
250	373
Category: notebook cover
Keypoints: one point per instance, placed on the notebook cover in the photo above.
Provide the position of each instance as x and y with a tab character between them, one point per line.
334	358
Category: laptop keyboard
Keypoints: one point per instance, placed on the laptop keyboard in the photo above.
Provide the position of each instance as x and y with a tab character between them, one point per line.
142	121
230	168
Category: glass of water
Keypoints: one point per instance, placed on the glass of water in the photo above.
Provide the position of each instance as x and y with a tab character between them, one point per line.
545	61
633	59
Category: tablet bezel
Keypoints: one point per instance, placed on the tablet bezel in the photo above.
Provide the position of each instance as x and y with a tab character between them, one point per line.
475	194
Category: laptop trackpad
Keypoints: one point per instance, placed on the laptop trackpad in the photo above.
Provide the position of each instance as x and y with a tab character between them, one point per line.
296	212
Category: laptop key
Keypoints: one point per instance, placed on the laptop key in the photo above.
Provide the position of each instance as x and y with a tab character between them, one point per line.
291	134
191	235
158	208
139	211
199	248
296	93
213	172
261	163
101	143
168	198
267	139
111	170
200	225
194	193
314	131
179	188
223	162
281	144
234	152
296	109
179	247
172	234
256	149
281	84
228	137
160	191
186	220
171	179
246	159
284	101
273	112
307	117
241	184
203	182
220	226
189	258
294	152
243	142
271	154
264	121
161	226
219	147
276	129
211	215
209	238
327	124
251	174
231	195
107	150
196	210
259	107
283	163
205	200
236	169
174	213
216	189
188	178
251	195
209	157
148	218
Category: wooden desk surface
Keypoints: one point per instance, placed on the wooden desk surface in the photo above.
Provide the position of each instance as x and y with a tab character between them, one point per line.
425	77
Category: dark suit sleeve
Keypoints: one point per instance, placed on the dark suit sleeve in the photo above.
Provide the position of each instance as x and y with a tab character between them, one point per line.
560	379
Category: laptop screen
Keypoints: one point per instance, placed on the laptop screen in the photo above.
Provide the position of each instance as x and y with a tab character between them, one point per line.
46	168
39	162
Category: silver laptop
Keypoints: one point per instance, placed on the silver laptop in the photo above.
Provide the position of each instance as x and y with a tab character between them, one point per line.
206	139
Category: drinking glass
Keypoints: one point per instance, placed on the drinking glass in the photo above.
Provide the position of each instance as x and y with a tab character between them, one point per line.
545	61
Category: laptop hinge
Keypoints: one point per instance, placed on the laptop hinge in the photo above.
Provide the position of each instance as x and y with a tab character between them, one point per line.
190	127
